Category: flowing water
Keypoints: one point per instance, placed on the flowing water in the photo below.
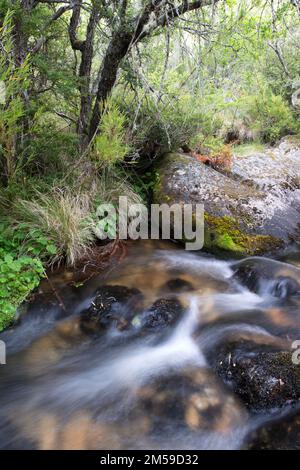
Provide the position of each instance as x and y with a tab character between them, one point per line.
137	383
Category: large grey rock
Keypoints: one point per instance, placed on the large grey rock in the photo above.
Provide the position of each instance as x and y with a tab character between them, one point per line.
276	171
246	211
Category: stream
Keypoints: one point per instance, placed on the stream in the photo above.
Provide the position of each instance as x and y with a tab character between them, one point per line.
140	364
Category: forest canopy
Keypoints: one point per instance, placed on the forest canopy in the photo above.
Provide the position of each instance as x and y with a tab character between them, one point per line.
201	60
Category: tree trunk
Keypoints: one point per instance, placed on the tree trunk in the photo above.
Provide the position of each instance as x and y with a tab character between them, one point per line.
115	53
85	77
20	53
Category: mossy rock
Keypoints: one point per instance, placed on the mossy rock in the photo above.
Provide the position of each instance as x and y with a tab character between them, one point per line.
224	233
238	216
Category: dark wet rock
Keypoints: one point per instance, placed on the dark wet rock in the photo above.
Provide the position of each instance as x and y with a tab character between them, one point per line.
163	313
281	434
194	398
241	218
285	287
264	276
177	286
263	376
113	306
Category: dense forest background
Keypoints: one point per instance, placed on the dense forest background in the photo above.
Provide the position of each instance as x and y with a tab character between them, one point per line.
92	93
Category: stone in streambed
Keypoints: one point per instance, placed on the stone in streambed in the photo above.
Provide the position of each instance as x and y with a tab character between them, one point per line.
193	398
163	313
263	377
265	276
281	434
177	286
113	306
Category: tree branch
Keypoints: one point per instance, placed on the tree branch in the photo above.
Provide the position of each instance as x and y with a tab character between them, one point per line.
159	13
76	44
41	41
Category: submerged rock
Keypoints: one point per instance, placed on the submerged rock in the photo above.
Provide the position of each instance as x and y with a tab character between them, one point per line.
265	276
239	217
281	434
163	313
177	286
193	398
112	306
263	377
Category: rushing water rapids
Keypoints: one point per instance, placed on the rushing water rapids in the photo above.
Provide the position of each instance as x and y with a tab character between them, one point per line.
148	373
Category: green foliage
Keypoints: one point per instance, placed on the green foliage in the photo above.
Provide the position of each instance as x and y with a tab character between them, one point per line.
143	184
14	82
271	116
18	277
20	268
110	147
247	149
51	151
21	240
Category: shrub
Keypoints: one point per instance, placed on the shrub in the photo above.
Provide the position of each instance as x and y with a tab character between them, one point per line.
184	119
110	185
21	240
271	116
110	147
48	229
51	151
257	115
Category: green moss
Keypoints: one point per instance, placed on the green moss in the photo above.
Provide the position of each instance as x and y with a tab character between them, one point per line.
224	233
159	195
247	149
225	242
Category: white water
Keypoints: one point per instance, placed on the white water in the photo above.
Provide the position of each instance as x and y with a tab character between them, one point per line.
53	378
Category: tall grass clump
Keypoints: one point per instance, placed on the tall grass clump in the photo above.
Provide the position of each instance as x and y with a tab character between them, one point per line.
68	220
62	217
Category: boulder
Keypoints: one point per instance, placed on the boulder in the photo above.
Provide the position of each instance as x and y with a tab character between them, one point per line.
275	170
240	217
